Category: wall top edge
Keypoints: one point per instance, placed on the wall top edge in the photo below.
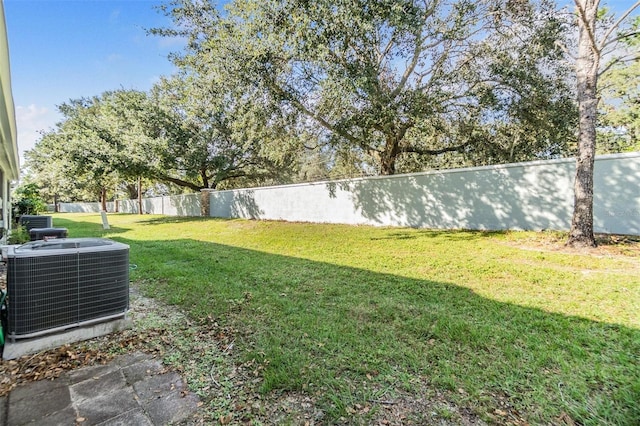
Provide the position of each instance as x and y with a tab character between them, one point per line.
535	163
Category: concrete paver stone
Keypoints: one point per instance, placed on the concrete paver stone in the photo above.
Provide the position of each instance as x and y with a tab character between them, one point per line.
59	418
82	374
135	417
98	386
102	408
171	408
30	406
141	370
158	386
133	389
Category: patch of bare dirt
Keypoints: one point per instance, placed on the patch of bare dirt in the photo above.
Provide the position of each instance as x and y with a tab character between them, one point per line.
608	245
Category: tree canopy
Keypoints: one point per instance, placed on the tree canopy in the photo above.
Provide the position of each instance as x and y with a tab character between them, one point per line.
381	81
179	134
276	91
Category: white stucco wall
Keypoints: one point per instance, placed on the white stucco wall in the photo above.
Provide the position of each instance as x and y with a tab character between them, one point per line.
175	205
79	207
534	195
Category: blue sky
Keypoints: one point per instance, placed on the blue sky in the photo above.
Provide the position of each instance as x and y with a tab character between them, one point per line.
67	49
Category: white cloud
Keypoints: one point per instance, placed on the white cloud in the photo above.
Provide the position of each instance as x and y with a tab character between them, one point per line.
114	57
31	121
114	16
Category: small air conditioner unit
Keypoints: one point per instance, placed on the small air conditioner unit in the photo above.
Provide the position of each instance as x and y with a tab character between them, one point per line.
47	233
36	221
64	283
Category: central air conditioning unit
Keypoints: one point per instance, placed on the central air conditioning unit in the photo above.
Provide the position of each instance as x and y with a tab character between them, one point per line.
64	283
36	221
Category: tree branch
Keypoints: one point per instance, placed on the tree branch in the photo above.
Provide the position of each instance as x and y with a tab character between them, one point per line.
178	182
618	61
302	108
617	24
422	151
587	27
387	49
620	38
566	51
407	72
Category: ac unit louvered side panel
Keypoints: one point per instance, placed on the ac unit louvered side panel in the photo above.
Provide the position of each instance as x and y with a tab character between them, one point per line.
43	293
103	284
36	221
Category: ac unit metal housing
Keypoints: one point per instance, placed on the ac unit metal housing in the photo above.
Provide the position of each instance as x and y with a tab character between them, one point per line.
63	283
36	221
47	233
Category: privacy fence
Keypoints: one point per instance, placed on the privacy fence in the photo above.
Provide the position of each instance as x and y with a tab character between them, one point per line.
531	196
175	205
534	195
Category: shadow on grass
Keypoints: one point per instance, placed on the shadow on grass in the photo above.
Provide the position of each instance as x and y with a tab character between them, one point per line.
177	219
343	334
80	229
453	234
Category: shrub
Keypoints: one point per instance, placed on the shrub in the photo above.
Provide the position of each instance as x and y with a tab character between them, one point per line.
18	235
27	200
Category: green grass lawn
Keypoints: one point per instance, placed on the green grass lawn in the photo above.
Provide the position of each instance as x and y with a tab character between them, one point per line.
502	324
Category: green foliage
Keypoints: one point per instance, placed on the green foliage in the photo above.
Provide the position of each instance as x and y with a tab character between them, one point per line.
50	167
26	199
184	134
271	92
215	138
18	235
101	142
394	79
620	111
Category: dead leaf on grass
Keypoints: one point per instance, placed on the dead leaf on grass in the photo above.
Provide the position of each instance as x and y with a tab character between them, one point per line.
565	419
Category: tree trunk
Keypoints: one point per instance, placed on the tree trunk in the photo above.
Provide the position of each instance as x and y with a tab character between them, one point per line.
389	156
205	178
581	234
140	196
132	190
103	198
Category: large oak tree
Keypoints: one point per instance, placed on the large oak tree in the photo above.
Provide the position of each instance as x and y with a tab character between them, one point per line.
380	81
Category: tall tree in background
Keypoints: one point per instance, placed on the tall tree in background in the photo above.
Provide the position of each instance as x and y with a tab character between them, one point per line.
384	79
593	43
49	167
102	142
210	142
186	133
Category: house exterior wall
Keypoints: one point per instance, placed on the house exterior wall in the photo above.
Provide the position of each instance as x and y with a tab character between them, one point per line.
9	163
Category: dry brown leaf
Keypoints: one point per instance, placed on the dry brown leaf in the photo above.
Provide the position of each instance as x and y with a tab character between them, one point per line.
564	419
